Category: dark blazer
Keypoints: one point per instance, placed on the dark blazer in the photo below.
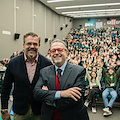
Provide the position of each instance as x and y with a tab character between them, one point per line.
74	75
23	90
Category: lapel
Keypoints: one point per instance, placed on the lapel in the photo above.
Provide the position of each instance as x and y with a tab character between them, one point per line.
24	68
51	76
37	71
65	76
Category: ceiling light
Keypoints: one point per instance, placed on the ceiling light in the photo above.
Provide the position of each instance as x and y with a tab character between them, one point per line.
93	15
108	12
92	5
90	11
52	1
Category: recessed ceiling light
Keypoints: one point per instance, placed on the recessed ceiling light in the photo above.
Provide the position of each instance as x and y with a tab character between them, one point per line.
99	15
92	5
51	1
90	11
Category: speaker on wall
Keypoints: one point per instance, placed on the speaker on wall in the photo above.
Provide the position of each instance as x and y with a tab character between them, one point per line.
16	36
80	26
46	39
88	19
54	36
66	25
108	18
61	28
70	20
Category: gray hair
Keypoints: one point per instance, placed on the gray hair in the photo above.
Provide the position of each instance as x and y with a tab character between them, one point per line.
59	40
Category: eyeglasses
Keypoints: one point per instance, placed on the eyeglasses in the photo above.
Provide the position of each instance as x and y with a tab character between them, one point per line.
29	44
60	50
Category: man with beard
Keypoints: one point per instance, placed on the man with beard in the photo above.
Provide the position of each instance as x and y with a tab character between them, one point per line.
61	87
23	71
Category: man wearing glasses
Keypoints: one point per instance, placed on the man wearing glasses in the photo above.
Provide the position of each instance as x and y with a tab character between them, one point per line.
61	87
24	71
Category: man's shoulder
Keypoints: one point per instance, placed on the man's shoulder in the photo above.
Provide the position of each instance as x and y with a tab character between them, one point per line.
16	58
75	66
50	67
75	69
43	58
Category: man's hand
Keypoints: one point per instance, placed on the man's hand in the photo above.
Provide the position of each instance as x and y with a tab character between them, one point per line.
73	93
44	87
6	116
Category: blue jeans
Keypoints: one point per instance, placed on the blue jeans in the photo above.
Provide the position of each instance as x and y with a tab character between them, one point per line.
106	92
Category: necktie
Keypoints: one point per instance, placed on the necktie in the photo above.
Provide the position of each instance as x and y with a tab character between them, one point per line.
57	115
59	74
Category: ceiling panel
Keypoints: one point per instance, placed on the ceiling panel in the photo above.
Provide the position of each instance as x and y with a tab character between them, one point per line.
79	8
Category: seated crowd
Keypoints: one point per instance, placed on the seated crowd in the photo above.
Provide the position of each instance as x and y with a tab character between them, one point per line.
98	50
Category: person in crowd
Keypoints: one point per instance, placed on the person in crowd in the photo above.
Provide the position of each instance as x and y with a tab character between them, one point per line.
61	87
48	55
2	67
17	53
21	52
23	71
5	61
13	55
2	73
95	87
111	79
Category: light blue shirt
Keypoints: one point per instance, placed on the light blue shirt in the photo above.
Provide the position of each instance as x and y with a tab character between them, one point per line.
62	68
57	94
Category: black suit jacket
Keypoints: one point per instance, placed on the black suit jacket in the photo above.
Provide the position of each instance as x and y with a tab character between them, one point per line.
74	76
23	90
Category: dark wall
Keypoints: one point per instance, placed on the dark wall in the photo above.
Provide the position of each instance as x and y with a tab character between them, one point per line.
81	21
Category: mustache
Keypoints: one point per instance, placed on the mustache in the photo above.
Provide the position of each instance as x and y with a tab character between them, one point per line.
32	49
57	55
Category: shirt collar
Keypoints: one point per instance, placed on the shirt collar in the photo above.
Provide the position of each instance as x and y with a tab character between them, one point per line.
36	59
62	68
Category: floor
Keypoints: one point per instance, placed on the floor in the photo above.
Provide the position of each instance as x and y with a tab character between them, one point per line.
98	115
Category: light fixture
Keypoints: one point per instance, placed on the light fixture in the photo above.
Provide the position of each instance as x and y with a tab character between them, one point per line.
61	28
92	5
66	25
99	15
52	1
90	11
34	15
17	8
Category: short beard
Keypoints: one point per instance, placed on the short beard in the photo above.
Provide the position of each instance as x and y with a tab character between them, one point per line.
60	62
32	56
